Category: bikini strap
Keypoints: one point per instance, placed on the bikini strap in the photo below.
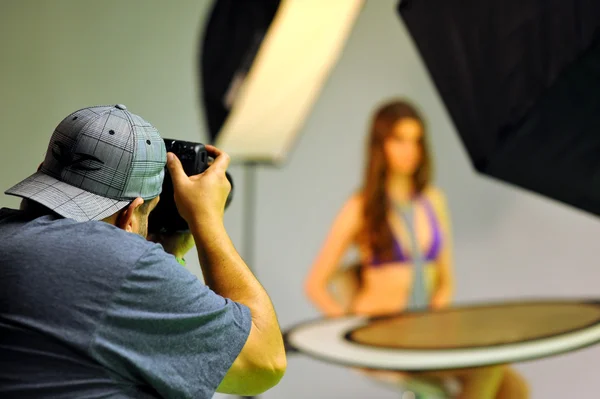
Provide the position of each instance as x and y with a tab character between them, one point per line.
430	211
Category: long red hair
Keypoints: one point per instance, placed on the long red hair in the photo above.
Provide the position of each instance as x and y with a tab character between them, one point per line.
377	234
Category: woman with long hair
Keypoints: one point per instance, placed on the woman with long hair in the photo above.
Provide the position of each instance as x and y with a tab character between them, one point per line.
400	224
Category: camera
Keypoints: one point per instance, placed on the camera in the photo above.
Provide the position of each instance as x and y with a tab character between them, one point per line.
165	218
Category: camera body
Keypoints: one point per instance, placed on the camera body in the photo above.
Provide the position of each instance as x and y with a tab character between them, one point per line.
165	218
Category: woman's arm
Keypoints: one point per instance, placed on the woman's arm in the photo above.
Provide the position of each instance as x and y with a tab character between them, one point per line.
341	235
445	286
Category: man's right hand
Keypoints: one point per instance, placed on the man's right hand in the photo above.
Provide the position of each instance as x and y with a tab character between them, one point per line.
201	197
201	202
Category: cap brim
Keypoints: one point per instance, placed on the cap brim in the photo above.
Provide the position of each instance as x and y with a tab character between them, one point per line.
66	200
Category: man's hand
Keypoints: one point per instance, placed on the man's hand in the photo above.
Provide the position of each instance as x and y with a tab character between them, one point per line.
202	197
201	202
176	244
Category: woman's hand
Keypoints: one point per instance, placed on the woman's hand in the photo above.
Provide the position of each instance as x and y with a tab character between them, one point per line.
440	300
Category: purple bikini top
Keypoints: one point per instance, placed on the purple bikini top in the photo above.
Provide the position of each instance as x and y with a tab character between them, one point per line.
436	242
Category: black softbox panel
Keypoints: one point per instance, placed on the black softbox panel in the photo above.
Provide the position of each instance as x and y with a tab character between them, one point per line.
521	82
229	43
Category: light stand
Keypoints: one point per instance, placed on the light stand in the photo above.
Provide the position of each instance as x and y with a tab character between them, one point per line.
249	218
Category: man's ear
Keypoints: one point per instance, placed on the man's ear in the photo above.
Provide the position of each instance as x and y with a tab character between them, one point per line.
126	219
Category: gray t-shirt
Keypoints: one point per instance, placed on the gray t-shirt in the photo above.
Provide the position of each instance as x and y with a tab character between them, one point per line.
88	310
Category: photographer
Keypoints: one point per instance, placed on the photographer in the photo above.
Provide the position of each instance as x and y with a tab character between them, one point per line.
90	308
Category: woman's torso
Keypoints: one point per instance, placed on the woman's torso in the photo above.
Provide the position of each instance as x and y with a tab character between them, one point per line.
386	286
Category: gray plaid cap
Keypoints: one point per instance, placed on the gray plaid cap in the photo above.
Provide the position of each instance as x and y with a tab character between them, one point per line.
99	160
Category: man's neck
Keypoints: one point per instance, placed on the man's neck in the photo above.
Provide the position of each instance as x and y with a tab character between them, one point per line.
36	209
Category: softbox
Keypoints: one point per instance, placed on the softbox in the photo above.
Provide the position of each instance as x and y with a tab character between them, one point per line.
521	82
229	43
263	64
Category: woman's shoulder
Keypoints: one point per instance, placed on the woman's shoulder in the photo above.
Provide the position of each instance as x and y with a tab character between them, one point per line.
435	196
353	207
433	191
354	201
356	198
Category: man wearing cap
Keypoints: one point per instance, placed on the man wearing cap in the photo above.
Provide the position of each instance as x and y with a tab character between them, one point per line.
91	309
